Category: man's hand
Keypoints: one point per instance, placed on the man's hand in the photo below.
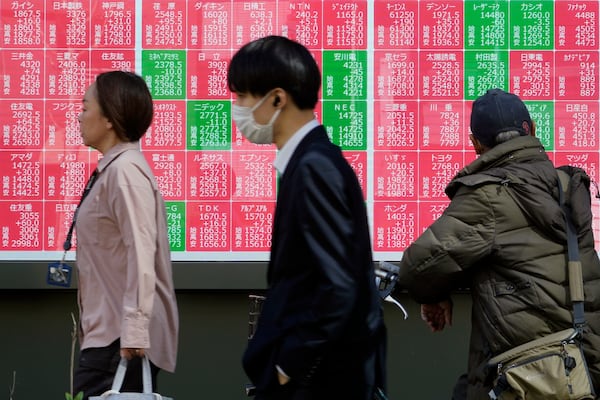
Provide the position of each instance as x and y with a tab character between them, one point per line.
282	376
437	315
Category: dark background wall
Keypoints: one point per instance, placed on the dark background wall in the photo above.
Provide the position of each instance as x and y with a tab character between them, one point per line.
35	338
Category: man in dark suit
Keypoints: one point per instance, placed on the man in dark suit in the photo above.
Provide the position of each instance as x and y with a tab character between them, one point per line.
320	334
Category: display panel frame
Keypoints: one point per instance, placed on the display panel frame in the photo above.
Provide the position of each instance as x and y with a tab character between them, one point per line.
398	81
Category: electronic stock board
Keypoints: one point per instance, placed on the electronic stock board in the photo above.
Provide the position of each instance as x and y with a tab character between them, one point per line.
399	78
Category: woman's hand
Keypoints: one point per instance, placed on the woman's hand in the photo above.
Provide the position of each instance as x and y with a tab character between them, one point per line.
128	353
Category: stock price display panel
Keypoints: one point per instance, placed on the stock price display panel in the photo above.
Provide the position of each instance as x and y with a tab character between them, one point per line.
399	78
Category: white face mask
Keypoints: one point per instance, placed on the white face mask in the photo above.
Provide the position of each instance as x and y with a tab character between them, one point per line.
253	131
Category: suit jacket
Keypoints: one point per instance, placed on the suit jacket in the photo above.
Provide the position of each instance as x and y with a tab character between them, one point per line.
321	321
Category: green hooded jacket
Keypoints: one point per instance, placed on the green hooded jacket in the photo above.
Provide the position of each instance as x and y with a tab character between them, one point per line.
503	236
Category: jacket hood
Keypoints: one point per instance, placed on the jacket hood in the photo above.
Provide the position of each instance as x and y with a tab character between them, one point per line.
522	165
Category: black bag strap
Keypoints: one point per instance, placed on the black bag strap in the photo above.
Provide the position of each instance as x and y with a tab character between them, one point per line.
575	271
88	186
574	263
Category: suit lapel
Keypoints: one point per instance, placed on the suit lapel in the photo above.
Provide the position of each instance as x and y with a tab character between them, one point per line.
285	194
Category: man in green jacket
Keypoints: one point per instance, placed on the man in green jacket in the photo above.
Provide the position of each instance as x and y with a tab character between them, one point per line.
503	235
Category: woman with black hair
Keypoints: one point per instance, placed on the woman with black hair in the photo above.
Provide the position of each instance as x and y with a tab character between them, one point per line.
126	296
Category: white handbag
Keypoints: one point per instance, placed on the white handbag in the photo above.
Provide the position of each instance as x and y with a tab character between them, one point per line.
115	394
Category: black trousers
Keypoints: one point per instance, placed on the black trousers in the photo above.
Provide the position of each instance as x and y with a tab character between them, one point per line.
96	370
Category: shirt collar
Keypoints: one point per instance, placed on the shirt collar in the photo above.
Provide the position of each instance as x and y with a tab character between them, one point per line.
115	152
285	153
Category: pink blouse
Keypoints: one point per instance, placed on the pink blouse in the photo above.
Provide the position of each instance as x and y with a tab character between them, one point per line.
123	260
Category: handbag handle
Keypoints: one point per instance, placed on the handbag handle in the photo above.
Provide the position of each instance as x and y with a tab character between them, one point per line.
146	376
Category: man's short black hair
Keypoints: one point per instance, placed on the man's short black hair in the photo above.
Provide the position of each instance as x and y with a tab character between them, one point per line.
276	62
